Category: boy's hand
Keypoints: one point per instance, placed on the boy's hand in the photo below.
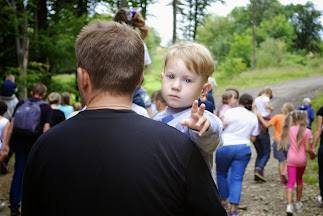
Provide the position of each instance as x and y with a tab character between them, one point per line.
197	121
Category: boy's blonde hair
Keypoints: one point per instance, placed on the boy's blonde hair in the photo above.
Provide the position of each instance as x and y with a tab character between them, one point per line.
197	57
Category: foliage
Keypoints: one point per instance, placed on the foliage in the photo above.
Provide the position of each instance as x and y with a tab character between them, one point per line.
232	67
216	34
270	53
241	47
307	27
277	28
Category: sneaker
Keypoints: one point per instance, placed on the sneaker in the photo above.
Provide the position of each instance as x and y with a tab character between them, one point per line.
259	175
234	213
289	210
298	205
319	199
15	213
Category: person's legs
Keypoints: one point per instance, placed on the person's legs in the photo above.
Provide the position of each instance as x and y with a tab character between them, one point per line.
223	162
291	182
320	162
299	180
238	167
16	185
259	150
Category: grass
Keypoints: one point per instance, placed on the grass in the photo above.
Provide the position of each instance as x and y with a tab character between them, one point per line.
311	171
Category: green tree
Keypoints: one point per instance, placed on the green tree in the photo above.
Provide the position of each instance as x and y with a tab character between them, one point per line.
241	47
277	28
216	33
270	53
307	26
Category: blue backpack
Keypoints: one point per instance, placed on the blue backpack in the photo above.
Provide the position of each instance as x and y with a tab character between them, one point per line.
28	117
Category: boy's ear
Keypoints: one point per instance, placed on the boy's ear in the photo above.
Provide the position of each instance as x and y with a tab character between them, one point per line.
161	75
206	88
141	79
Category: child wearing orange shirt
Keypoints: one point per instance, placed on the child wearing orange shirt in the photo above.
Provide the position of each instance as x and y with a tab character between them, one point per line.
277	122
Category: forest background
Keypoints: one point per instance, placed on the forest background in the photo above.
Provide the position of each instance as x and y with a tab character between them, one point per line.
258	44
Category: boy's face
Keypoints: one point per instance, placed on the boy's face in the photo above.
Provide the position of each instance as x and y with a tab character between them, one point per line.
180	87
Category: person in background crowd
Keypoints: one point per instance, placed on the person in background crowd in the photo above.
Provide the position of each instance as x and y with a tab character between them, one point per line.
295	131
54	99
65	106
310	111
135	20
241	127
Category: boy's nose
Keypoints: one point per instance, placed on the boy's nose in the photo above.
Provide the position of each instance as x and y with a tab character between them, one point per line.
176	85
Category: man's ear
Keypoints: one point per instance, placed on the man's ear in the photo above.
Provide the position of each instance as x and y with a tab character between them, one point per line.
206	88
83	77
31	93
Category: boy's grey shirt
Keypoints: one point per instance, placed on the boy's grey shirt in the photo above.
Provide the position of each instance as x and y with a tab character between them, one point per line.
211	139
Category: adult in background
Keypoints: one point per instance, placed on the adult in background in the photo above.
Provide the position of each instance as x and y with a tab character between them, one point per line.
54	99
25	128
317	135
241	127
65	106
310	111
135	20
108	159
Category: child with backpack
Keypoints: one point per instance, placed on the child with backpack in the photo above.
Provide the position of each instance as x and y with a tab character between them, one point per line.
299	144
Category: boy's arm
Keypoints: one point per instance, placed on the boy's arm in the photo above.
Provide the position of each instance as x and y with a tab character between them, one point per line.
210	139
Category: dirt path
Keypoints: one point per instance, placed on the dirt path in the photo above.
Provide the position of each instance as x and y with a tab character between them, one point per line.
259	198
270	198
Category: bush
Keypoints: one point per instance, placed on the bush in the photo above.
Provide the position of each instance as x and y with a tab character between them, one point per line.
233	66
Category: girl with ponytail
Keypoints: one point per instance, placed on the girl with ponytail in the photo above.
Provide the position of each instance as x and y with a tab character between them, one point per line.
295	131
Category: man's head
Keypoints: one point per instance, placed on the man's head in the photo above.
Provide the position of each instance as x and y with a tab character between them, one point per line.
111	56
187	68
307	101
39	90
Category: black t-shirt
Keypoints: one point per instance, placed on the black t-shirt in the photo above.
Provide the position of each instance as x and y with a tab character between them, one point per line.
20	141
58	117
116	162
320	113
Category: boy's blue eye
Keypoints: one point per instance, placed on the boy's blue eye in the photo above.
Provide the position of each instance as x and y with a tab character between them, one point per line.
187	80
170	77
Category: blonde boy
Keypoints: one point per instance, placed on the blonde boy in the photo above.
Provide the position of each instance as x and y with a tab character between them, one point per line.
185	79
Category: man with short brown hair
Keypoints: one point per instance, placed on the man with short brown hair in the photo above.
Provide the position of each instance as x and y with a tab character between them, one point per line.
108	160
30	119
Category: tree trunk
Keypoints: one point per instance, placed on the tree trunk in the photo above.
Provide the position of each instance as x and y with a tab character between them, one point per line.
253	35
174	20
195	20
36	28
22	47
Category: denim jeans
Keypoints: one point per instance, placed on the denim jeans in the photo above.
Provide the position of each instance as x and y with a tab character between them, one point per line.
16	184
320	160
262	145
235	158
